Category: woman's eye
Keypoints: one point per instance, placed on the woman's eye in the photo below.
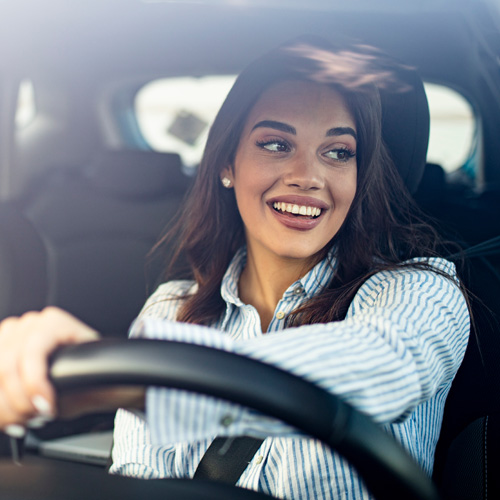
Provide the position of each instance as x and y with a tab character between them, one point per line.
274	146
340	154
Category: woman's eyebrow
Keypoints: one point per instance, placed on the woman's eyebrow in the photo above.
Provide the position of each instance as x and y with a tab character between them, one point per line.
341	131
283	127
276	125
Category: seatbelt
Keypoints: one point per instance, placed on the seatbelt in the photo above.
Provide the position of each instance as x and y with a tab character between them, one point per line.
227	458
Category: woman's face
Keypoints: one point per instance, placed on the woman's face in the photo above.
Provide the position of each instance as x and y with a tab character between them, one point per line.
294	174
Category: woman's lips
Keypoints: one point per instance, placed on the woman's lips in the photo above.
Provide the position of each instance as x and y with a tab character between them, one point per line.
300	213
307	201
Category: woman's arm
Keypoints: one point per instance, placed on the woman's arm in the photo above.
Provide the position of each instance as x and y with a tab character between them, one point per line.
403	340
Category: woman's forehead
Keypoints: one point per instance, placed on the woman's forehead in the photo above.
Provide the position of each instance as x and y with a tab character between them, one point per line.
295	101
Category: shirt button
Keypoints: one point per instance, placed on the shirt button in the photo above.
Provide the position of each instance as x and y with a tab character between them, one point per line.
280	314
298	290
258	460
226	420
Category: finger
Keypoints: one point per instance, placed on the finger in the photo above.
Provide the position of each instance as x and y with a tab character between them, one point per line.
12	386
8	416
16	404
65	327
52	329
33	370
19	351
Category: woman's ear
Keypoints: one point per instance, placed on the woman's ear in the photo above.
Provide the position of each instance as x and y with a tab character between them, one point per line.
226	177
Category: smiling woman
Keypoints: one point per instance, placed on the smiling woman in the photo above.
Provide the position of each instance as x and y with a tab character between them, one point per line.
358	277
307	253
296	154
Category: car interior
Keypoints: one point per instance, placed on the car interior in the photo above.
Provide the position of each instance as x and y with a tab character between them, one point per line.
86	193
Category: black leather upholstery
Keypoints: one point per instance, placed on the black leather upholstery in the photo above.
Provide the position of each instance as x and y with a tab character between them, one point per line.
405	127
100	222
23	264
471	472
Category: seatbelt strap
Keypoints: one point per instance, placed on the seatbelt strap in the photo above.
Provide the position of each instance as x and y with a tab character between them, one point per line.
227	458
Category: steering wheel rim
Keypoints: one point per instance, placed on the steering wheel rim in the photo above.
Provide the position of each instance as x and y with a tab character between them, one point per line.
387	470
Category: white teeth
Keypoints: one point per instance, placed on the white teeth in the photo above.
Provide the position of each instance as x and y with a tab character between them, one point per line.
297	209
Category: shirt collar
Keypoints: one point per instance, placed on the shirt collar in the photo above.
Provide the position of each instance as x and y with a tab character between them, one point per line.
229	286
311	284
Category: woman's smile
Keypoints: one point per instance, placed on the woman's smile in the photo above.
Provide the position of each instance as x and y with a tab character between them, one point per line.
298	212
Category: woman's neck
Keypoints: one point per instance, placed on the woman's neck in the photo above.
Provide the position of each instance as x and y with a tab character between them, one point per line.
264	281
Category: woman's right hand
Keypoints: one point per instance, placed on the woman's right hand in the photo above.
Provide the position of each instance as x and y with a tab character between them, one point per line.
26	395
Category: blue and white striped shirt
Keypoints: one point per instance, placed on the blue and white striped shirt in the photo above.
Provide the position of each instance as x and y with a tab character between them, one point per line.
393	357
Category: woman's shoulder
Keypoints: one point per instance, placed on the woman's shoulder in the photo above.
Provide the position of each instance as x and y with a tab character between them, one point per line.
167	298
433	264
174	288
420	268
435	274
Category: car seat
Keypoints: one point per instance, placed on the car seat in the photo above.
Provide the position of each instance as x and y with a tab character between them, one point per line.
23	264
99	222
468	452
467	455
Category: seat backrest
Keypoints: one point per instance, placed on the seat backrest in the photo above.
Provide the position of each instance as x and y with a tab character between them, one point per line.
23	264
468	453
99	223
431	189
468	456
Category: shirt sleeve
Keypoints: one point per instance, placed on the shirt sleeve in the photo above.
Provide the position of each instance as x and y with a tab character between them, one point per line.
403	340
134	454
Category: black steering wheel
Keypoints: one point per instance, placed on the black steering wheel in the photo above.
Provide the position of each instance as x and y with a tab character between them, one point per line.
387	470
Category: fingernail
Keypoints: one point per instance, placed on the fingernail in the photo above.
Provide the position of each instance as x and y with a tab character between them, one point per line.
42	406
38	422
15	431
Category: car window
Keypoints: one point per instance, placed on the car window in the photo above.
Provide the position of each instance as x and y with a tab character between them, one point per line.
174	114
26	107
453	127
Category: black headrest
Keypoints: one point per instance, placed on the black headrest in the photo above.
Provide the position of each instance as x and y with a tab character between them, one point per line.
357	67
136	174
405	126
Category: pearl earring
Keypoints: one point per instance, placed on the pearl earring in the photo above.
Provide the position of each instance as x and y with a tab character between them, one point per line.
226	182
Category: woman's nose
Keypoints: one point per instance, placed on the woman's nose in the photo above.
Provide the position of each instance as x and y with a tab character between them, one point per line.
304	172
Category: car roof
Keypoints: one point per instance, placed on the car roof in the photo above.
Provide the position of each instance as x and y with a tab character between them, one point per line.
104	37
111	43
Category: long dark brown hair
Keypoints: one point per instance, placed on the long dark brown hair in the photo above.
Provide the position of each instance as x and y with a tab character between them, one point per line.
382	229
